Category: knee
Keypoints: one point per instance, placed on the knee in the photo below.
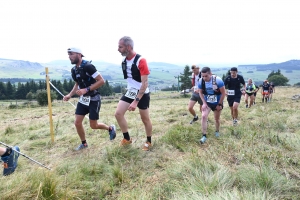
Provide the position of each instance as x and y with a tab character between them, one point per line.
190	108
146	120
93	126
117	115
77	123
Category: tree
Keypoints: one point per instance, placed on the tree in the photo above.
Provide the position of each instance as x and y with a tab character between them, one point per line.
185	78
274	73
42	98
106	89
10	91
278	80
29	96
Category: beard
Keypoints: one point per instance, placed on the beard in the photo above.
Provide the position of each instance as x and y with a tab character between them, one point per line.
75	61
125	53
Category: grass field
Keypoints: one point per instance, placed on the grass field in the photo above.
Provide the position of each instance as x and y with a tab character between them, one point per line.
258	159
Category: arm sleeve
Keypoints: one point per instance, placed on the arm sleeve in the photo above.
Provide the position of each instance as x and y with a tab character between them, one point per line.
90	69
143	67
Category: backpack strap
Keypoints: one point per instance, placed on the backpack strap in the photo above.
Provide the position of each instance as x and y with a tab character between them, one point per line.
136	58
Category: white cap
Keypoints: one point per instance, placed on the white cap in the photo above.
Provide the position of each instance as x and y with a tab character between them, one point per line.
75	50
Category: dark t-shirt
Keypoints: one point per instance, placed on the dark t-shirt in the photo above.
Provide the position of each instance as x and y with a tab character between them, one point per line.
234	84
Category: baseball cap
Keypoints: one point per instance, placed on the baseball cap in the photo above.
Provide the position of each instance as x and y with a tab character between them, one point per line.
75	50
233	69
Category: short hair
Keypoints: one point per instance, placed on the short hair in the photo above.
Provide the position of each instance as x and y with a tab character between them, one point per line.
234	69
205	70
127	41
195	67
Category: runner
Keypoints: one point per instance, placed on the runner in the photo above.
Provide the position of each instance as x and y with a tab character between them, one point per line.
10	159
212	93
250	90
136	71
234	93
265	91
196	75
272	90
87	81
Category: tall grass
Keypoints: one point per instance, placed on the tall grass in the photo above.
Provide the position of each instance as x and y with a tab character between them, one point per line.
258	159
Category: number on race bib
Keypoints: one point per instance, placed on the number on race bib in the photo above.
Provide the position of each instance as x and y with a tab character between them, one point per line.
230	92
131	93
211	98
85	100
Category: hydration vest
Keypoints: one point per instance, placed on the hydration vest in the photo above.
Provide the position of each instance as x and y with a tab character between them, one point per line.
249	88
214	83
194	78
135	72
83	79
239	77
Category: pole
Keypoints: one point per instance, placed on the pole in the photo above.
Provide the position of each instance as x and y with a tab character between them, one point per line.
177	82
49	105
64	96
25	156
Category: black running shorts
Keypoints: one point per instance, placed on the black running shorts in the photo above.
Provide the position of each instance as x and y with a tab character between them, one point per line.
143	103
93	109
234	99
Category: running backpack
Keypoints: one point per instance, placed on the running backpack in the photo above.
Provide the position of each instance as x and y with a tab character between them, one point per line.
214	83
135	72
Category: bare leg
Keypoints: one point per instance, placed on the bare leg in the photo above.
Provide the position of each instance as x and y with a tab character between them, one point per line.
79	126
146	120
120	115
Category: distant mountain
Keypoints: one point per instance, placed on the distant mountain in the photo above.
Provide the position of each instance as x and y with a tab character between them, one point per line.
162	73
288	65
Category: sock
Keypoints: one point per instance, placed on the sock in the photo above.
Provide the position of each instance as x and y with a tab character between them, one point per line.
204	134
149	139
196	116
126	136
109	128
83	142
7	152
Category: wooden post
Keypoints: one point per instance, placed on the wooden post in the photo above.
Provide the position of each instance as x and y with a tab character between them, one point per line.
49	105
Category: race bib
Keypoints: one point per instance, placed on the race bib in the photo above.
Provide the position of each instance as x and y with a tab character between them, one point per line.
131	93
266	91
85	100
230	92
211	99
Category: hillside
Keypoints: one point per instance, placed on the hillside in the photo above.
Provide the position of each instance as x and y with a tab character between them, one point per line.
258	159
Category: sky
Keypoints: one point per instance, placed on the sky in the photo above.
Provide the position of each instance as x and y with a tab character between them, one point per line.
207	32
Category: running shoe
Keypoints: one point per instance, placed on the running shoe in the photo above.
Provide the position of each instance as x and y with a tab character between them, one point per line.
125	142
112	132
82	146
147	146
11	161
203	139
217	134
194	119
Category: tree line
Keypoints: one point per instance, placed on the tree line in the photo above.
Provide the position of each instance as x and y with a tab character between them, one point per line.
31	88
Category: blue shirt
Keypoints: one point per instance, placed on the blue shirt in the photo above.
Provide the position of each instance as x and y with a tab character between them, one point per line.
210	97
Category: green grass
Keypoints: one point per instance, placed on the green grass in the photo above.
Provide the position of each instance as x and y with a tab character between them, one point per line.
258	159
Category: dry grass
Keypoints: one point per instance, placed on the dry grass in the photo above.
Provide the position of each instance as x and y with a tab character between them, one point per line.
258	159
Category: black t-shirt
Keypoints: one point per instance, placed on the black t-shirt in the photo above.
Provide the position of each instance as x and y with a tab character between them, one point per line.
234	84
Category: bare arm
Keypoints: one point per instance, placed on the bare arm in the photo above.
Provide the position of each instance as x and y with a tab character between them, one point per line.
223	94
144	86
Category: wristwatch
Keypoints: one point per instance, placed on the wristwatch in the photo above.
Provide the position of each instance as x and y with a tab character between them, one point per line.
219	104
87	89
137	99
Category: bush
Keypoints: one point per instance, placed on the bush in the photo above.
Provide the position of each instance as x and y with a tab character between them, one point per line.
42	98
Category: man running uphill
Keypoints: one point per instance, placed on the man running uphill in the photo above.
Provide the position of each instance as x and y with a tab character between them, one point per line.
87	81
234	94
196	75
212	92
135	70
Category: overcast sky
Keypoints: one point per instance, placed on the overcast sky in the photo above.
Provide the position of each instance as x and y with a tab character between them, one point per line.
204	32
